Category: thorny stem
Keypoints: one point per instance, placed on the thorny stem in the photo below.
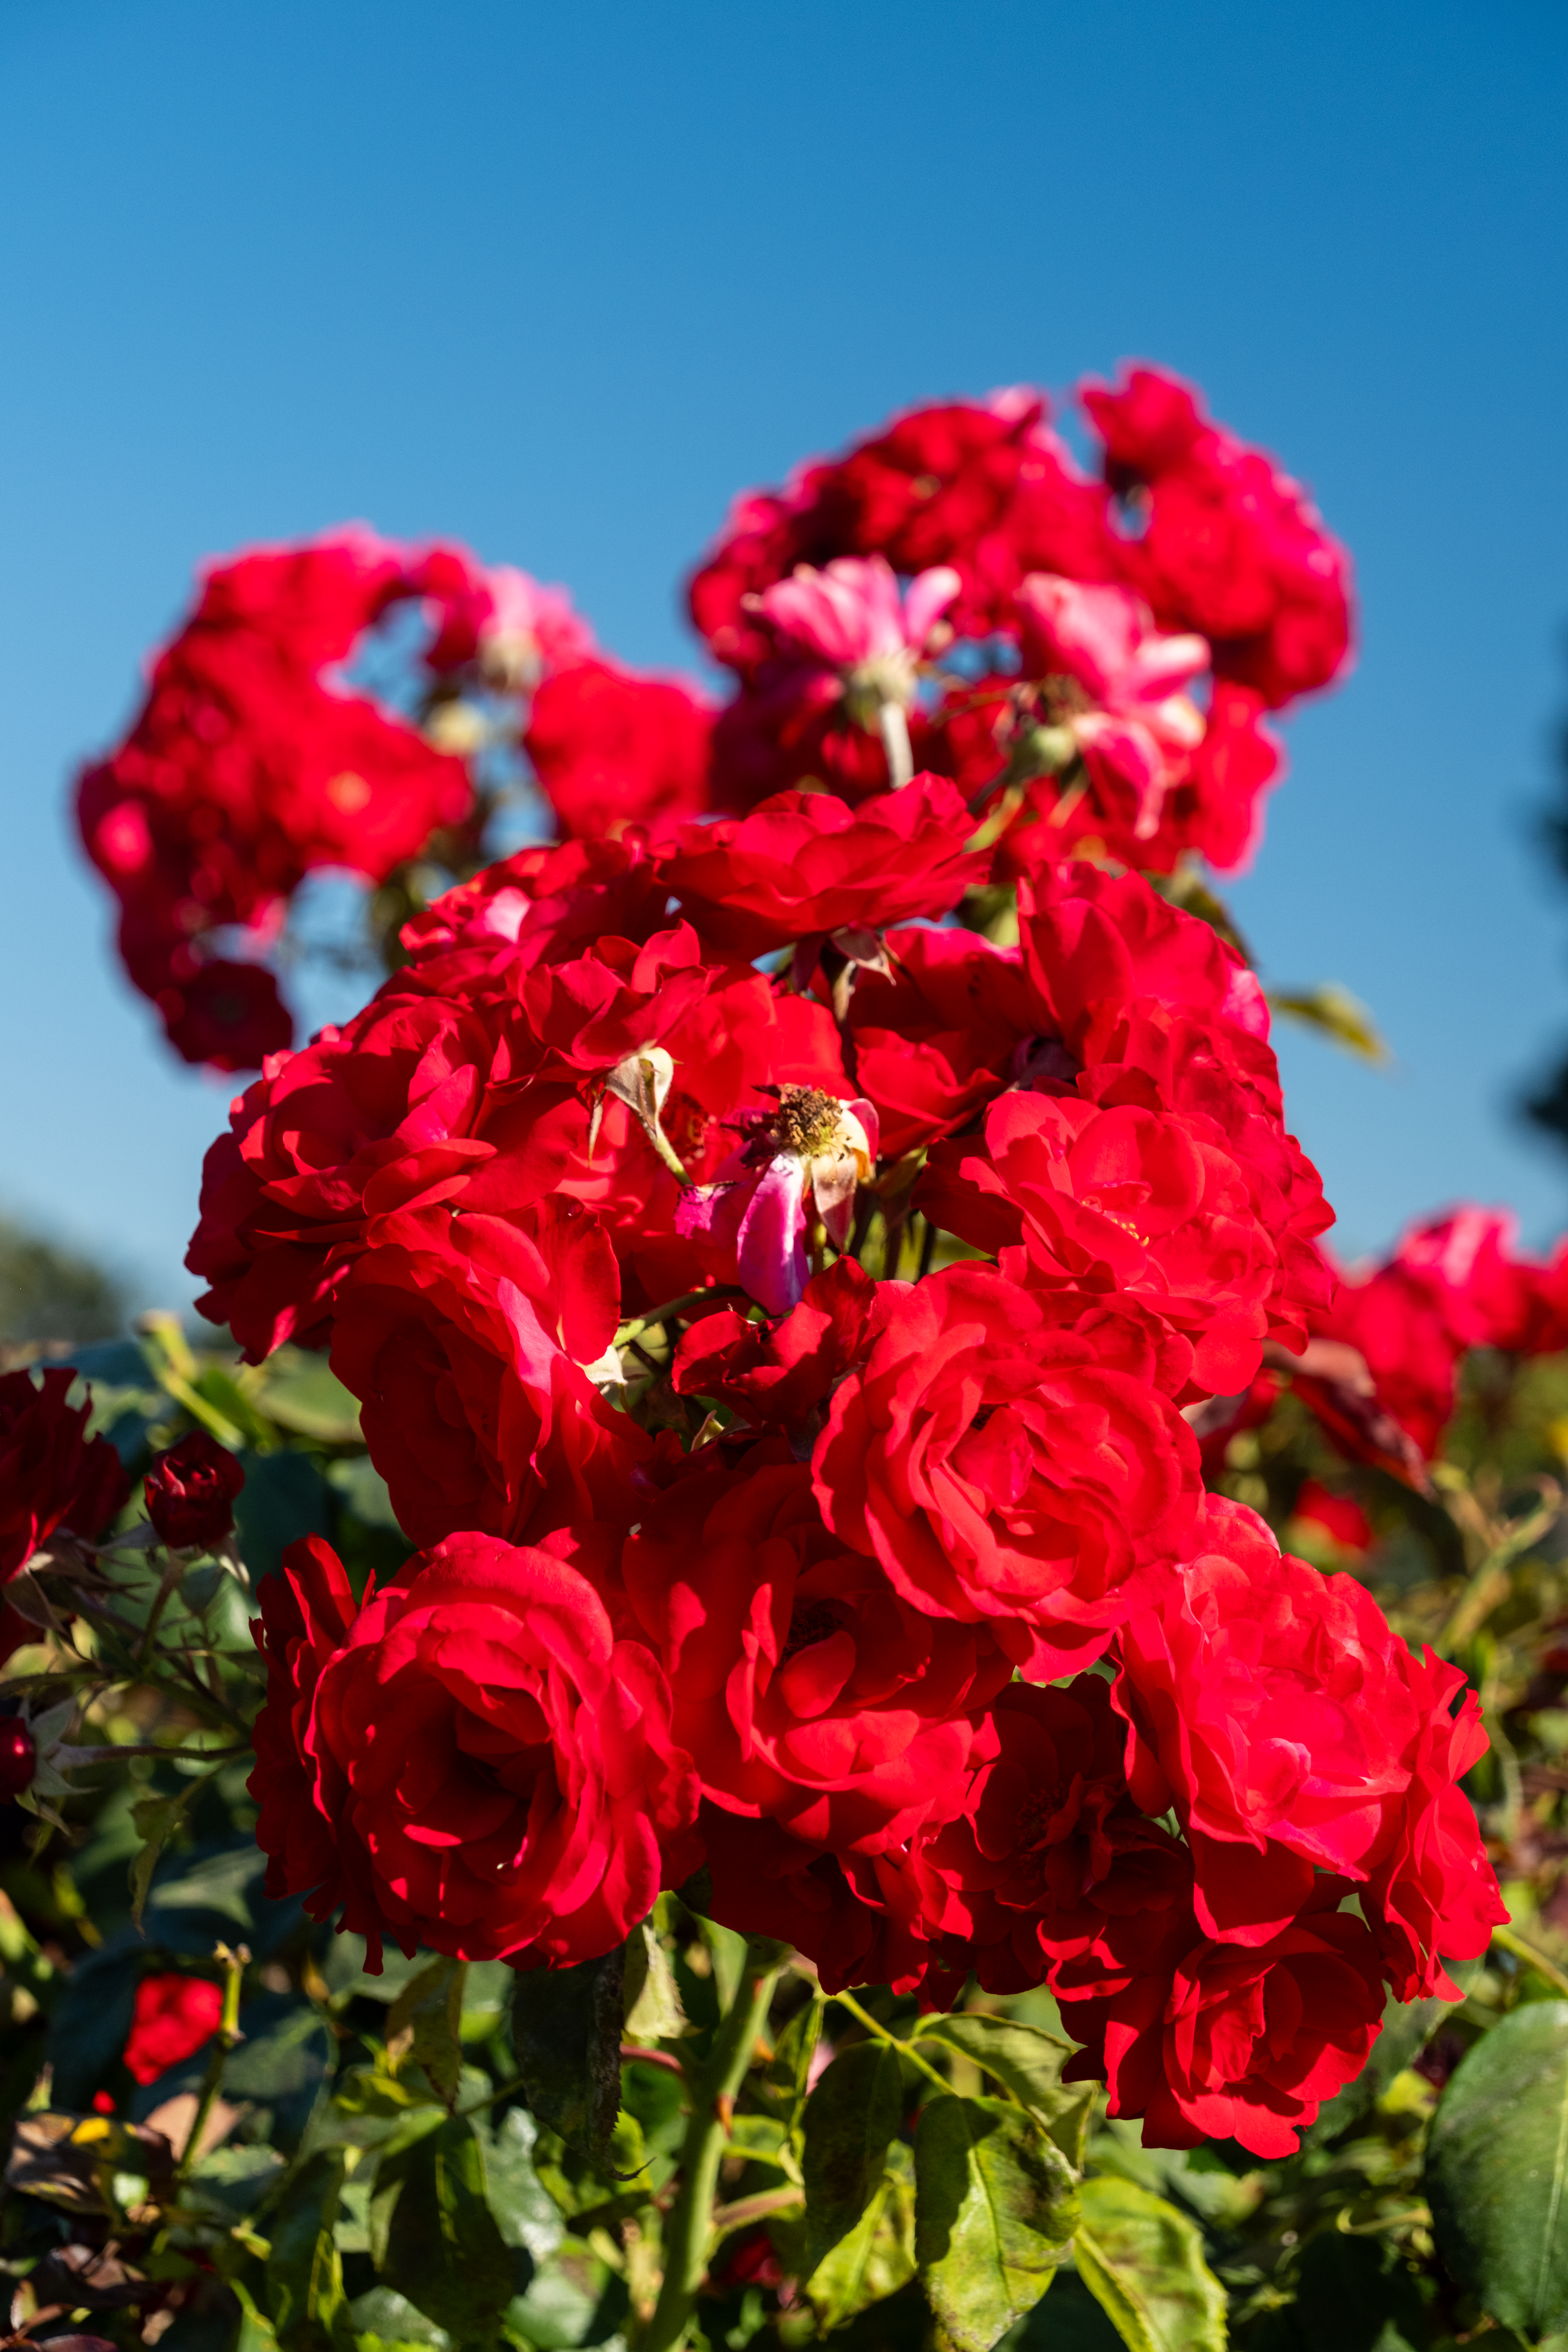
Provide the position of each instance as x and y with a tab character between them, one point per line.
847	2001
690	2234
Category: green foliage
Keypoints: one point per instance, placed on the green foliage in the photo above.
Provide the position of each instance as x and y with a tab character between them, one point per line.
1496	2170
996	2208
849	2123
1143	2263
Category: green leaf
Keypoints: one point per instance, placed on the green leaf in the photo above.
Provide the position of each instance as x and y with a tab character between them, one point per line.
425	2025
849	2119
877	2255
281	2065
994	2213
790	2064
301	1393
651	1996
305	2272
284	1496
566	2033
1143	2263
1028	2062
154	1819
1497	2170
1336	1014
526	2214
433	2235
256	2333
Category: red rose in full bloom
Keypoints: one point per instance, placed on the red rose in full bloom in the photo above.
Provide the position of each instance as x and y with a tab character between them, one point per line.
1128	1202
478	1096
172	2016
802	866
1000	1469
1232	2042
611	749
190	1491
1050	1867
464	1340
52	1474
807	1690
472	1760
1286	1722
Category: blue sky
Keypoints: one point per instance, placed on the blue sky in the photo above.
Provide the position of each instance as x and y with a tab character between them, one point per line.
558	281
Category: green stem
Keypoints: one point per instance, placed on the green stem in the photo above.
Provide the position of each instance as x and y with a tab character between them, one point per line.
1545	1968
906	2050
224	2040
689	2235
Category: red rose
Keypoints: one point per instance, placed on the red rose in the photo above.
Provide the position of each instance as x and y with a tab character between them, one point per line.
191	1490
246	769
999	1469
807	1691
863	1918
935	1039
1280	1713
52	1474
778	1376
611	749
226	1015
803	865
1049	1866
472	1760
464	1340
1435	1895
423	1098
172	2016
1401	1329
1128	1202
1231	546
1232	2043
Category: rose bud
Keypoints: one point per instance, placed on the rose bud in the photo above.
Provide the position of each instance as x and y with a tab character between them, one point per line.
18	1759
190	1491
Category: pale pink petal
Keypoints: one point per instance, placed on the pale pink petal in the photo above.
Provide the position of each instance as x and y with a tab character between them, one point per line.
771	1255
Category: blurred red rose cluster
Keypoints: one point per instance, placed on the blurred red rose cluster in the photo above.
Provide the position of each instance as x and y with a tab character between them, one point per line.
1090	656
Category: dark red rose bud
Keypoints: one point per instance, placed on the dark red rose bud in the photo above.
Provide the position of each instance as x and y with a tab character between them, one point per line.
190	1491
17	1758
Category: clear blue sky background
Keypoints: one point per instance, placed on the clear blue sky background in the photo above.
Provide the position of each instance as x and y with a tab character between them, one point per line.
558	281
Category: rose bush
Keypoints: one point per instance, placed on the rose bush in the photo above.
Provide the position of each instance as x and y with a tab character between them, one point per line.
772	1358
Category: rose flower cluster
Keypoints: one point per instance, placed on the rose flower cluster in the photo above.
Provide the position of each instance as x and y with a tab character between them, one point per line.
779	1314
1380	1369
252	762
1092	657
